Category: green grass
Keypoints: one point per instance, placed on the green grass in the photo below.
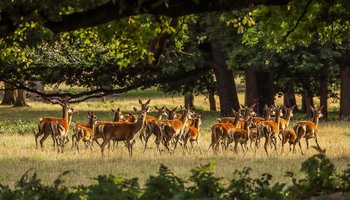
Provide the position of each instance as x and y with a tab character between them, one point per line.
18	153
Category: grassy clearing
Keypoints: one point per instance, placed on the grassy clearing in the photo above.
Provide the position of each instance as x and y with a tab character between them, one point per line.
18	153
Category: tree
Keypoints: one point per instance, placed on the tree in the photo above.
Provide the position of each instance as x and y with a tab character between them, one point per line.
10	95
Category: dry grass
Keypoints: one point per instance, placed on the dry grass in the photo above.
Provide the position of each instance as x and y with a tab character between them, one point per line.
18	153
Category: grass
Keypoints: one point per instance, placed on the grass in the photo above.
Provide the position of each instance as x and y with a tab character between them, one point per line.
18	153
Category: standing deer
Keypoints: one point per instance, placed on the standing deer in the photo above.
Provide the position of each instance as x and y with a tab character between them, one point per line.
56	127
173	129
85	133
123	131
154	128
191	133
241	135
270	129
220	132
308	129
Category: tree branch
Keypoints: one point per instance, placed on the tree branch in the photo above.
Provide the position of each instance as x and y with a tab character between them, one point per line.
175	8
298	21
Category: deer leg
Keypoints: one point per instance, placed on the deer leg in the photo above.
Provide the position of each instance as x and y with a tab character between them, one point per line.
105	141
42	140
316	140
36	137
266	144
307	143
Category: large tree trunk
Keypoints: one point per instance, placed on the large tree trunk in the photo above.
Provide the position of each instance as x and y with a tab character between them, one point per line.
251	91
289	100
9	96
265	90
324	75
307	101
212	102
21	100
344	92
226	85
189	100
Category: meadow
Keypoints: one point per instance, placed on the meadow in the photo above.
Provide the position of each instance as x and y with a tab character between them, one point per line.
18	153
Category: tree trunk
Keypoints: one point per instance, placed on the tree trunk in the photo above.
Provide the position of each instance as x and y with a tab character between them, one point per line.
226	85
38	86
289	100
344	92
9	96
21	100
307	101
324	75
251	91
212	102
189	100
265	90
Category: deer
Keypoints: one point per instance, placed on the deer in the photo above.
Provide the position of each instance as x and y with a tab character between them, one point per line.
248	111
284	123
56	127
85	133
219	131
154	128
308	129
270	129
241	136
173	129
191	133
123	131
289	136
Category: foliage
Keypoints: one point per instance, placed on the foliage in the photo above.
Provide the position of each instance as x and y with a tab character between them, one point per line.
319	177
164	186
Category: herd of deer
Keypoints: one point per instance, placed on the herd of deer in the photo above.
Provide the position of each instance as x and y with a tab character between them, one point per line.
180	129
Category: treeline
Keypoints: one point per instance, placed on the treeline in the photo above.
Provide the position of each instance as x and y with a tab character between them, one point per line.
319	178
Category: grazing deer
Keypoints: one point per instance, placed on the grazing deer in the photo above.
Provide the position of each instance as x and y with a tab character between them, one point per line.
241	135
308	129
191	133
123	131
56	127
270	129
220	132
173	129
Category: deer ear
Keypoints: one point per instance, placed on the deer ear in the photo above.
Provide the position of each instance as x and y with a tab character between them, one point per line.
233	110
321	107
174	109
113	110
252	106
292	107
311	108
148	101
140	101
135	109
155	107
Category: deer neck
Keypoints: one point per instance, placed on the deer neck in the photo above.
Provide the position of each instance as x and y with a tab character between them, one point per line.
235	123
267	115
288	119
116	117
315	120
140	124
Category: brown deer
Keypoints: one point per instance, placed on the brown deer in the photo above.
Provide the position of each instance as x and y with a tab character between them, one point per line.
154	128
123	131
173	129
241	136
248	111
289	136
284	123
85	133
308	129
191	133
220	132
56	127
270	129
